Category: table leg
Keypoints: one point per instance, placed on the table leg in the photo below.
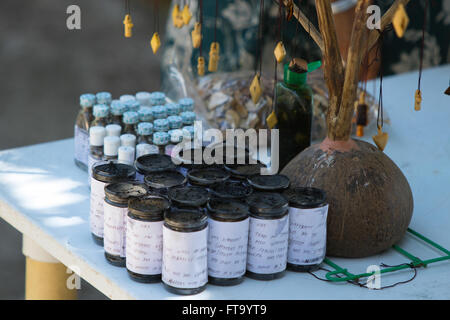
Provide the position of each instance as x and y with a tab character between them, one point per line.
46	278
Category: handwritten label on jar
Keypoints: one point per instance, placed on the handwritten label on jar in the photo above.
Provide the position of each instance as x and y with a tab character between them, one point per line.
144	246
267	245
307	235
81	138
227	248
114	232
96	209
185	258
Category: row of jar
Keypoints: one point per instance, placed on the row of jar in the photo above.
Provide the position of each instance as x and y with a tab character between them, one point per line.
188	238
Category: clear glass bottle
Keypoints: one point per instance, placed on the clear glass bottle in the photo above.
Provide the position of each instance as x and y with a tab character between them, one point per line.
130	121
118	108
81	130
294	110
101	115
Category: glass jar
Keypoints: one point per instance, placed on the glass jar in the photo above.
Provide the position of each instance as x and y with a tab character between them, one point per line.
207	177
81	130
101	115
96	140
118	108
104	172
130	121
308	212
231	190
185	259
228	223
160	182
115	211
151	163
144	238
188	197
269	183
268	236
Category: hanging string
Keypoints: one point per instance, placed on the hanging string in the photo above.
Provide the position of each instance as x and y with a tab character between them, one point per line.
215	21
275	60
200	19
380	118
297	42
423	43
156	16
127	6
260	36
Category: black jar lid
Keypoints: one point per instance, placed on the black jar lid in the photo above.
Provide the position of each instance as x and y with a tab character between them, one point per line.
111	171
231	190
154	163
269	205
243	171
188	196
227	209
149	208
186	220
207	176
305	197
121	192
188	157
269	182
164	179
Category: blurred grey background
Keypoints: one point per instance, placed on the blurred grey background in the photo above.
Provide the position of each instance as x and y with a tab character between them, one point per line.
45	67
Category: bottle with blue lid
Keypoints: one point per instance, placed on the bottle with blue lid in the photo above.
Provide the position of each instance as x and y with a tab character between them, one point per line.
145	114
188	117
117	110
173	109
132	105
161	139
101	115
103	97
145	132
187	104
159	112
157	98
81	130
175	122
161	125
127	97
130	120
144	98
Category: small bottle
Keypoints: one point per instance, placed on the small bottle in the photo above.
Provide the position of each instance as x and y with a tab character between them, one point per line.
132	105
81	130
118	108
144	98
130	121
268	236
308	212
103	173
145	114
113	130
115	211
126	155
159	112
145	131
175	122
228	223
185	261
111	146
96	137
144	238
161	139
157	98
104	98
187	104
161	125
176	136
101	115
128	140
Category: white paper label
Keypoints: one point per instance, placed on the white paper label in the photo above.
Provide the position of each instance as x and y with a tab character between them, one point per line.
268	245
96	209
307	235
144	246
114	232
91	162
227	248
81	138
185	258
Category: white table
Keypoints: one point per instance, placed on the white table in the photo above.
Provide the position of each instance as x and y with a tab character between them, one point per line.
45	196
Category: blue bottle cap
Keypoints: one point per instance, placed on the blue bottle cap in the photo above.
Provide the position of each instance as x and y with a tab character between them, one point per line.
118	108
176	135
101	111
157	98
103	97
161	125
145	114
161	138
187	104
159	112
143	97
188	117
173	109
145	128
127	97
130	117
175	122
132	105
87	100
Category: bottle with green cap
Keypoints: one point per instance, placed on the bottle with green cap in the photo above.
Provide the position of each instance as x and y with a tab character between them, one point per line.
294	109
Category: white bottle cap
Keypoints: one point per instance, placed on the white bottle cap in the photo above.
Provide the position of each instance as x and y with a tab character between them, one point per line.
111	146
145	148
96	136
113	130
126	155
128	140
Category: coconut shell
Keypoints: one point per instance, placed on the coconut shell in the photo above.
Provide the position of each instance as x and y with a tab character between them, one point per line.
370	200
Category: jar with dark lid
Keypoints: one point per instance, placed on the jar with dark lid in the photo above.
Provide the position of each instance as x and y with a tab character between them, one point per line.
207	176
228	223
231	190
188	196
243	171
150	163
185	259
144	237
115	214
268	236
308	212
191	158
269	183
160	182
104	172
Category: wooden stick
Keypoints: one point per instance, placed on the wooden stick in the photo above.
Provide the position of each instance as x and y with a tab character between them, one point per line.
308	26
332	61
339	126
